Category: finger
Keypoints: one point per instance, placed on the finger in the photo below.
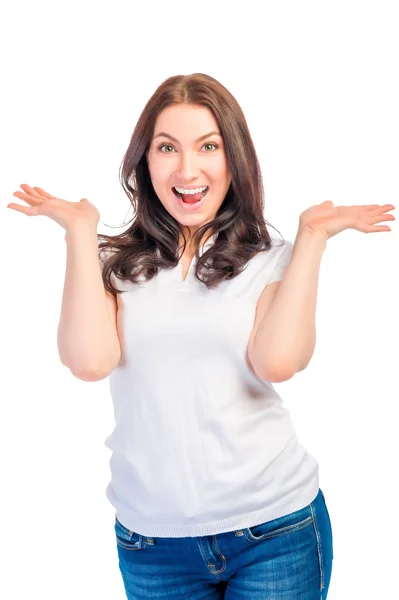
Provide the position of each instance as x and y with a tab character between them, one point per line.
31	212
387	207
29	190
378	209
379	218
35	200
43	193
374	228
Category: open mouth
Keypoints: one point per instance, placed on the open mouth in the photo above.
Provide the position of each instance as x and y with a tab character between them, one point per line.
193	197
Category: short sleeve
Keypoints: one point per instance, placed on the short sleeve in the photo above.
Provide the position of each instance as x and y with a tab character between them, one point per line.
282	262
269	266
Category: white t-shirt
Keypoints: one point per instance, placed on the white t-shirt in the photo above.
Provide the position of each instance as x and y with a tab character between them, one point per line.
201	445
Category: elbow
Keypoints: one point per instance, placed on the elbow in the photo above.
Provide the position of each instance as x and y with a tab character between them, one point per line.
273	375
278	377
284	375
287	370
89	376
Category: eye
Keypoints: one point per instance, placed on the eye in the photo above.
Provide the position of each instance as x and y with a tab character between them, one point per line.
160	148
211	144
165	146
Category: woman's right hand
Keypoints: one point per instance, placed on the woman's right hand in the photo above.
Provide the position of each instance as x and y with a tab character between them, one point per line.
67	214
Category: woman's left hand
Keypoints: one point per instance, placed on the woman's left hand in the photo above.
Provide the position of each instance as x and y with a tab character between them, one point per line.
327	220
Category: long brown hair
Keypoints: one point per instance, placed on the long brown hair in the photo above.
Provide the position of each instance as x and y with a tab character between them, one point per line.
152	241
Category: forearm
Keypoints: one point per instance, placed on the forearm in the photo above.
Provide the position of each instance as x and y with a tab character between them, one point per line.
87	339
286	337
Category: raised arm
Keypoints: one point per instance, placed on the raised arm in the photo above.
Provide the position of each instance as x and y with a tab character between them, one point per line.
87	335
284	339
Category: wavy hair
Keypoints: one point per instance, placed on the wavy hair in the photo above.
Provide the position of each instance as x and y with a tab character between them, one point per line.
152	241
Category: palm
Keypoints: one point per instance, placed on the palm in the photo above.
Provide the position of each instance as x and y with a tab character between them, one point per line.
328	220
65	213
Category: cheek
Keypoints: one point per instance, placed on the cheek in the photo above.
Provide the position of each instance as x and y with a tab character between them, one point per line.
220	167
158	172
161	169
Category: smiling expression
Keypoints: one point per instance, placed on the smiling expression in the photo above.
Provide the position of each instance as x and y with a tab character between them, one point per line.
187	151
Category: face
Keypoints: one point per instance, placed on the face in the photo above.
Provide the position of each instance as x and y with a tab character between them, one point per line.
186	161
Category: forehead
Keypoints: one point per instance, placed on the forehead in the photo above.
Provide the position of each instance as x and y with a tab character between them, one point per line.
185	121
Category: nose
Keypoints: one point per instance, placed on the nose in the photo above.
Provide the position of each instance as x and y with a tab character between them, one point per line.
188	168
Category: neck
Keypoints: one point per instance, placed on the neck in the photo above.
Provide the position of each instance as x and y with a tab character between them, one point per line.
189	244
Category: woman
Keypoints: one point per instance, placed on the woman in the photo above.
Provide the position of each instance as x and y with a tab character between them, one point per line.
214	495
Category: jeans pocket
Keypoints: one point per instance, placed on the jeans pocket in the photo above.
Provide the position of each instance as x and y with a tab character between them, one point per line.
281	526
129	540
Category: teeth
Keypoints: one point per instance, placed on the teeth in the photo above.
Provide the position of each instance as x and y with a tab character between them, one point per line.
194	191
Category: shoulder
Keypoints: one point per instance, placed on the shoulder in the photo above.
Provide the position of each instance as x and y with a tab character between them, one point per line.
278	260
268	266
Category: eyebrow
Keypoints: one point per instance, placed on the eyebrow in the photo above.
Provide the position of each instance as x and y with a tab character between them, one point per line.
177	141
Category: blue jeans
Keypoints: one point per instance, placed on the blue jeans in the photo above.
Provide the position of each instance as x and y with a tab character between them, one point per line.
284	559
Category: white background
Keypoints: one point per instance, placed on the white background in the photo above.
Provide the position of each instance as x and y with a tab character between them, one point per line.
318	85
